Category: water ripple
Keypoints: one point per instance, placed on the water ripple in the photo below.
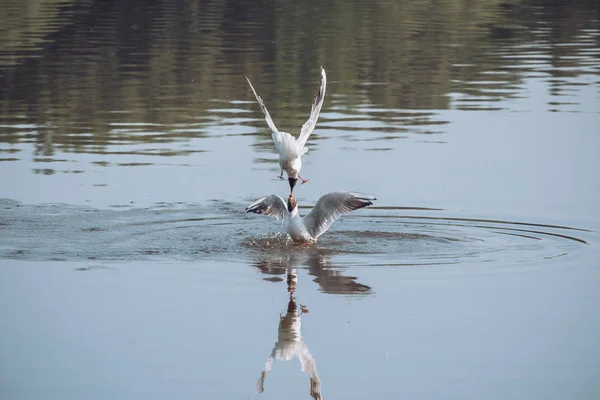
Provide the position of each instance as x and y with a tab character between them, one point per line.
378	236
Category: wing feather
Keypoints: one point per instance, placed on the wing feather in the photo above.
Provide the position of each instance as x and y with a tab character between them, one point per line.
263	108
271	205
330	207
309	125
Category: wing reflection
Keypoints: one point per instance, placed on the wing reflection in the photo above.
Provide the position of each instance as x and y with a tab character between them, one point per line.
329	278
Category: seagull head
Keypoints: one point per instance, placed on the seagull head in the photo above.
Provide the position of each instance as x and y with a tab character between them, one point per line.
292	183
292	203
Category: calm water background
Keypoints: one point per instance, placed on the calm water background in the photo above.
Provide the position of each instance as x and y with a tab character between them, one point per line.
130	145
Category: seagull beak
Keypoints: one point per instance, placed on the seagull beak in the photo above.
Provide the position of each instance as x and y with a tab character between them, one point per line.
292	183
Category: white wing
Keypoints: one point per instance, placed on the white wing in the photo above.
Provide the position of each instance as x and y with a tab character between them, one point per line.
330	207
271	205
309	125
263	108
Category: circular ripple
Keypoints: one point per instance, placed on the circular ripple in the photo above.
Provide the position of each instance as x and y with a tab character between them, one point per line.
375	236
387	237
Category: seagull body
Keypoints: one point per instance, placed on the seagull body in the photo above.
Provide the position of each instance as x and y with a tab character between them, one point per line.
307	229
289	148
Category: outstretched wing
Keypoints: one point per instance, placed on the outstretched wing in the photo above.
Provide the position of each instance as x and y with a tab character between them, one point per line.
309	125
263	108
271	205
330	207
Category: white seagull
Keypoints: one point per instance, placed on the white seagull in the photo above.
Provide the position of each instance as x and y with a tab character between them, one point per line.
289	148
307	229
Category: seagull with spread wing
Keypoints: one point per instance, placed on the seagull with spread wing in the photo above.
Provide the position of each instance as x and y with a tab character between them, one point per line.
308	228
289	148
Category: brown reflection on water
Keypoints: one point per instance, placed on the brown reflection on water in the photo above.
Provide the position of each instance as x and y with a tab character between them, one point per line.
91	76
329	278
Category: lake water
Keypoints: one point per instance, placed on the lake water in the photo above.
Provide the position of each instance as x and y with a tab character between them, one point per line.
130	144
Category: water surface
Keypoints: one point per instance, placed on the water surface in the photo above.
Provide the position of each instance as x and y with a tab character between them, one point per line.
130	145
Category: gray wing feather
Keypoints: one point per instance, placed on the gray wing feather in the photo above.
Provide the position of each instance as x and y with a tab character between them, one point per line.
330	207
263	108
271	205
309	125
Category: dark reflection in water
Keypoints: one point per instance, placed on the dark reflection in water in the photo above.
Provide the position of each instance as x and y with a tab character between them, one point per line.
128	78
289	343
316	260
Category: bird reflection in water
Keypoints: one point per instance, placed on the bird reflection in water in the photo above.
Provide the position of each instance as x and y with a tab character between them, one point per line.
289	343
329	278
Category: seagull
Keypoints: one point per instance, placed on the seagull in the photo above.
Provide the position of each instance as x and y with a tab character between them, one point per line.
307	229
289	148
